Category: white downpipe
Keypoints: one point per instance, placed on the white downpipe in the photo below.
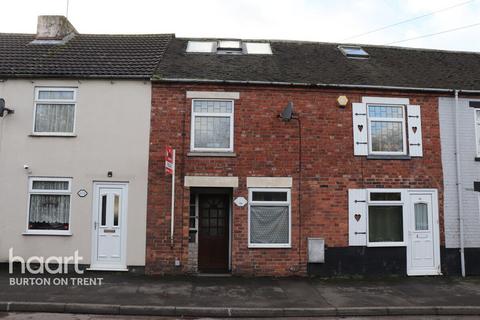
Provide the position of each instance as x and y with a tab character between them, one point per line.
172	214
459	186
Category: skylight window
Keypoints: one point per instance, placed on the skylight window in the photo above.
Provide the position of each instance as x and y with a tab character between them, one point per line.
258	48
353	52
200	46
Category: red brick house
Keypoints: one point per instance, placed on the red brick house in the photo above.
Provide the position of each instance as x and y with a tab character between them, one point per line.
351	183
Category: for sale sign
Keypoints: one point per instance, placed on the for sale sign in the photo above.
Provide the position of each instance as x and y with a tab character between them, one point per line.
169	160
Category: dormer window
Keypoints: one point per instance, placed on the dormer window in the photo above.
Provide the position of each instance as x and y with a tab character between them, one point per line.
353	52
229	47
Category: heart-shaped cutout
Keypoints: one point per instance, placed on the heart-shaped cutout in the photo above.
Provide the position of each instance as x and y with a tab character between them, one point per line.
360	127
414	129
357	216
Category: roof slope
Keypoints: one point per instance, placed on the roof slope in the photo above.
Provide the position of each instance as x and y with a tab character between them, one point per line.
85	55
323	64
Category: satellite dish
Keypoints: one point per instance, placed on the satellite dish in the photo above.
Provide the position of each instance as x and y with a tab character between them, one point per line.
3	109
287	113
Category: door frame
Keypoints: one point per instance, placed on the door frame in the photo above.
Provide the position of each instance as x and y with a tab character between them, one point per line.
435	232
217	190
94	265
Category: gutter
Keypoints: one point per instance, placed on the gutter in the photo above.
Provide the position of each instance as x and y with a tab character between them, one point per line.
305	84
459	186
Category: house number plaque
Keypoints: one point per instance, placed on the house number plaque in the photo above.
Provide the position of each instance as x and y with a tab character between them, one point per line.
240	201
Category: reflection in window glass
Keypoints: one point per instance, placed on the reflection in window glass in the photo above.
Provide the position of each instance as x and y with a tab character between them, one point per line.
421	216
385	196
269	196
387	136
116	210
104	210
385	224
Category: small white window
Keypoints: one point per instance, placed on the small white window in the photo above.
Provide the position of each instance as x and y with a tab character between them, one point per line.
49	205
212	125
200	46
477	130
54	112
258	48
386	129
269	218
385	218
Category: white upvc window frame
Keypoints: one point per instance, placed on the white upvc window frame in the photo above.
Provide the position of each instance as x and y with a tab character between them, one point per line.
211	114
402	203
37	101
402	120
477	129
273	204
32	191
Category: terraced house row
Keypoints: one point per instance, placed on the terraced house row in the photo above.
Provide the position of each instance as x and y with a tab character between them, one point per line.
291	158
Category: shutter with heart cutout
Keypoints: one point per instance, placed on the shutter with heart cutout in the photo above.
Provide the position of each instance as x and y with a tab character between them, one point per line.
357	217
415	131
360	136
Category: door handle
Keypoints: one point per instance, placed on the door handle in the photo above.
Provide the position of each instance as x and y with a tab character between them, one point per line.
95	225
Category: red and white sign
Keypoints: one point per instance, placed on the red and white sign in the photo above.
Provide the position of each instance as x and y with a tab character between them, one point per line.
169	160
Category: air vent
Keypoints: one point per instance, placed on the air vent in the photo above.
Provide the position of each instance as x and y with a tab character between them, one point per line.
354	52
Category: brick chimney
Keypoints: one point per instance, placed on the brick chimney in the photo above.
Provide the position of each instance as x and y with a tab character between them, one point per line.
54	28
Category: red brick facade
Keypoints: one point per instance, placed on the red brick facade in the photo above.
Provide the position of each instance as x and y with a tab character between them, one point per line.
266	146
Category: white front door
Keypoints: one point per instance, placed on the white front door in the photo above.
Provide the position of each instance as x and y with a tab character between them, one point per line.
109	226
423	248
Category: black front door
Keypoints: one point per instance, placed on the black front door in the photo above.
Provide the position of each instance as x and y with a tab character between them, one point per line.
213	232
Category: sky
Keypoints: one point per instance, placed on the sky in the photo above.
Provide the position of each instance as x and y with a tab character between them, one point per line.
312	20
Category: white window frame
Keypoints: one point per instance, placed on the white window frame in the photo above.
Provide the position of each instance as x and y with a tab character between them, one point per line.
273	204
403	203
381	119
56	101
32	191
477	130
211	114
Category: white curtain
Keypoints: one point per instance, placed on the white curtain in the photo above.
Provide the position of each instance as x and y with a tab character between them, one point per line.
54	117
49	211
421	216
269	224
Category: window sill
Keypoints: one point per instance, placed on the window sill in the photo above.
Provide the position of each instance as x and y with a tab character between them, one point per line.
385	244
48	233
388	157
66	135
211	154
271	246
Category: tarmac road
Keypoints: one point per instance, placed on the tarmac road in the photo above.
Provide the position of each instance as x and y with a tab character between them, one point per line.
68	316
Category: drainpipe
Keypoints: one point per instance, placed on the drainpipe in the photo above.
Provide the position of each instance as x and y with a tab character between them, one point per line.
459	186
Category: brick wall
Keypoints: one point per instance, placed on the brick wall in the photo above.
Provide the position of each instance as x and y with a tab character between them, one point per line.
266	146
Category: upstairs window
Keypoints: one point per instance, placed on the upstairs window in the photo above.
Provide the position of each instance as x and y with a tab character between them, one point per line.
386	128
54	112
212	125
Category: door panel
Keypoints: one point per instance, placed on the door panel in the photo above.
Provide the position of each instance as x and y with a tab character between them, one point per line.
213	239
421	249
109	230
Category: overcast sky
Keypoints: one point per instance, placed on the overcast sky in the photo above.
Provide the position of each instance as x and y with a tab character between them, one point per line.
315	20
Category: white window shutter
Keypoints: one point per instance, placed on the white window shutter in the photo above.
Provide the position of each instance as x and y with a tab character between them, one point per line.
415	131
357	217
360	136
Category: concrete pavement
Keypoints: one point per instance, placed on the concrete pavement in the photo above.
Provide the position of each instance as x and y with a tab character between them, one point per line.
125	293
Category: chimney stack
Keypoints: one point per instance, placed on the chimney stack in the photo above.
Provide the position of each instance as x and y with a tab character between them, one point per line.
54	28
